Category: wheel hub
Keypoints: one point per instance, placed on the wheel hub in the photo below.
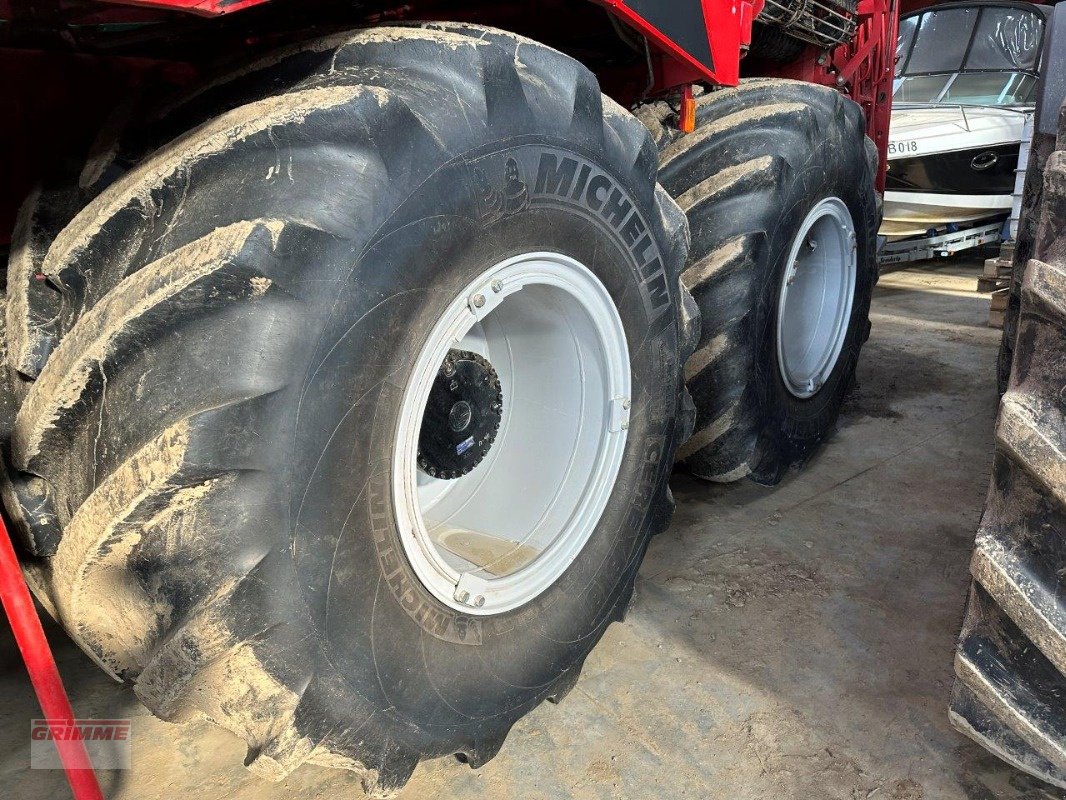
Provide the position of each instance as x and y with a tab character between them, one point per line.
462	416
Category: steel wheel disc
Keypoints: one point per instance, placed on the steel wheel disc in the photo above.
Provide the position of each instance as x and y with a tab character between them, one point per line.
498	536
817	292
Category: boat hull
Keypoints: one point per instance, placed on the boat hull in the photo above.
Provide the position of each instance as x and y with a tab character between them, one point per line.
915	213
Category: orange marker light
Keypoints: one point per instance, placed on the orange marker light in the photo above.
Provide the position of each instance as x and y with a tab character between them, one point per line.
687	118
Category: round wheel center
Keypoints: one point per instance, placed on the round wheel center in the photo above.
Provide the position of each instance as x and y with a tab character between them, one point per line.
462	416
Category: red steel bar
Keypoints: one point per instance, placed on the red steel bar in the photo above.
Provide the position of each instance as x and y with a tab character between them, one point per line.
42	669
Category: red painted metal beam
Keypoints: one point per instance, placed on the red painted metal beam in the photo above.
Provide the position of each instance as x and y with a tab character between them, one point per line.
44	675
205	8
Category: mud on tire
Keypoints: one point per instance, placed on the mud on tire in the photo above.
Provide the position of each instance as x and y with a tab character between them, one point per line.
1010	664
208	373
763	155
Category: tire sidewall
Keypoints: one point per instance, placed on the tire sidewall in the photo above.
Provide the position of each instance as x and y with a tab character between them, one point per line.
430	666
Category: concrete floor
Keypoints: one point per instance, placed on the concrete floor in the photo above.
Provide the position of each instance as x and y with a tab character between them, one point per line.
785	643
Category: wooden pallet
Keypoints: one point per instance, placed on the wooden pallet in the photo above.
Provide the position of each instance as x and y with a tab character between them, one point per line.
997	307
997	271
996	279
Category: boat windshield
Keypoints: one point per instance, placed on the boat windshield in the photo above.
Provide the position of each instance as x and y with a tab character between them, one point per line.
969	55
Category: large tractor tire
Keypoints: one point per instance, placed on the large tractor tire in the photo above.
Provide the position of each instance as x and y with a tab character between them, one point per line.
1010	666
1041	148
344	418
778	185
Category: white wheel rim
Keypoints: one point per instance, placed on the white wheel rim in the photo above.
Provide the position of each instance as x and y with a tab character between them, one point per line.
817	292
498	537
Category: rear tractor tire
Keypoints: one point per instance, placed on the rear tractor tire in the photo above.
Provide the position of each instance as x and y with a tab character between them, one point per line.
778	185
345	417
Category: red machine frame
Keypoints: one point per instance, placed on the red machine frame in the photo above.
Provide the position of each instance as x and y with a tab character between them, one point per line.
58	98
862	68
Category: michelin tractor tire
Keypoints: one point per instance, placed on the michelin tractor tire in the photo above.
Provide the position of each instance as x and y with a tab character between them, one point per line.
344	417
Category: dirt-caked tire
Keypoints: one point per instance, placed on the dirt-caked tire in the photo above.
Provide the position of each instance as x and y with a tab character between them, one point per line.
214	467
1010	665
1041	148
774	170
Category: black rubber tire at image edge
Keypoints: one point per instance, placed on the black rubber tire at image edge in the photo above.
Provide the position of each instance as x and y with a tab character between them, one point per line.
1041	148
202	452
1010	664
763	155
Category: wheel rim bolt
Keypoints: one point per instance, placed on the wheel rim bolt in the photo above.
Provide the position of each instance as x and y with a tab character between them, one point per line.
497	286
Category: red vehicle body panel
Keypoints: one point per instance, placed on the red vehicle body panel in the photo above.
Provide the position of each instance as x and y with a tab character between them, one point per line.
61	98
728	26
729	33
863	68
208	8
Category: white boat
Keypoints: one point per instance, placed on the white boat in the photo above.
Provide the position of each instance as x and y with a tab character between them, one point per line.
965	82
950	165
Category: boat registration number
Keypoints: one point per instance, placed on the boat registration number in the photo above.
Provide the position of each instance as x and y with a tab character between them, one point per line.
903	147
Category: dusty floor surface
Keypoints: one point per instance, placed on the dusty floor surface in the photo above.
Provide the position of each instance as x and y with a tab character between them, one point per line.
786	643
